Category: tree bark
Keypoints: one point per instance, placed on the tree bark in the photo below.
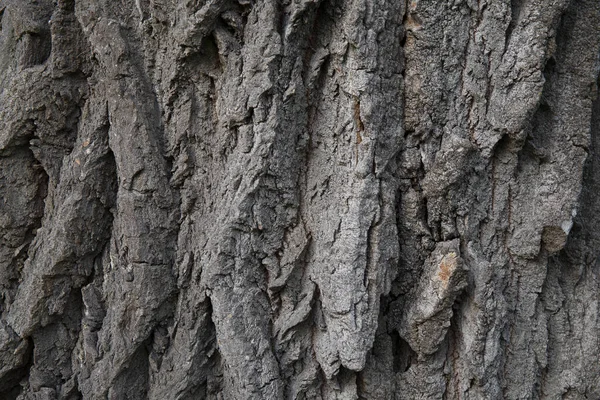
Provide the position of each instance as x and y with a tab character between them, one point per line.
299	199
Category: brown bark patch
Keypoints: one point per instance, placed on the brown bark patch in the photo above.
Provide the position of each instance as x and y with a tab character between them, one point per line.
447	267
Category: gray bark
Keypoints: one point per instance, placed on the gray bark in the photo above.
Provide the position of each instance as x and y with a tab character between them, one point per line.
299	199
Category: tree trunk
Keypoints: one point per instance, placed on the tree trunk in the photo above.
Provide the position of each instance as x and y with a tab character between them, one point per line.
307	199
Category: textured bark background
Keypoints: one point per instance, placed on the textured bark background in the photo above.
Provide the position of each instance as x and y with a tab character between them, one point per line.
299	199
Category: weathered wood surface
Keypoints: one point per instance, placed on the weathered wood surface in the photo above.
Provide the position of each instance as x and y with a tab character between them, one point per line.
295	199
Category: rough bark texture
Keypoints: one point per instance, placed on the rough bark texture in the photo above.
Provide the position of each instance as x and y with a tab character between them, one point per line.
299	199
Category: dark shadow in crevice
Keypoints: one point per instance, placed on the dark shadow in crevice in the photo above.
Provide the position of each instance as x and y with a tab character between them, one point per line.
205	373
345	376
564	38
204	60
10	387
516	8
35	213
403	354
583	243
133	380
